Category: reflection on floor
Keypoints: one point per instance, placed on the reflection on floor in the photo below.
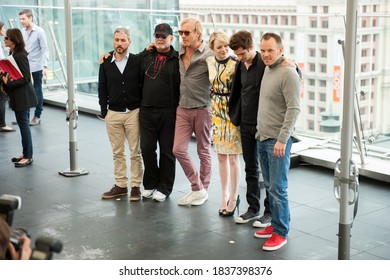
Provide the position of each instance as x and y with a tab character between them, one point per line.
71	209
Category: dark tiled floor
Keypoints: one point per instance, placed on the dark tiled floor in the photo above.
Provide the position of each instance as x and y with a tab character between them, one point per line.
71	209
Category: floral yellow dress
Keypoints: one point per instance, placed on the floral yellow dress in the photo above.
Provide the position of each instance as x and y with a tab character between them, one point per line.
226	136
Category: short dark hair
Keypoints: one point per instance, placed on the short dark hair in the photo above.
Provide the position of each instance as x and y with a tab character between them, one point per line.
270	35
241	39
1	24
27	12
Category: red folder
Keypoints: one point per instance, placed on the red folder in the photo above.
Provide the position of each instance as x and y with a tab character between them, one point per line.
9	65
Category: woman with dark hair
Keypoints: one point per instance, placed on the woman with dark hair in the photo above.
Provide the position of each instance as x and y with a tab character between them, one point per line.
3	96
21	94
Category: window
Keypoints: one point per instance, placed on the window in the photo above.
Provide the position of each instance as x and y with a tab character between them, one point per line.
227	18
284	20
311	95
324	39
310	125
374	22
364	52
312	52
312	38
255	20
311	110
314	9
245	19
325	24
323	68
274	20
264	20
313	23
324	53
364	67
363	82
312	82
292	36
322	83
292	50
326	9
236	19
365	38
312	67
322	96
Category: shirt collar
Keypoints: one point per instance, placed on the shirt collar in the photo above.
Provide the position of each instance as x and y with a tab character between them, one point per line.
113	57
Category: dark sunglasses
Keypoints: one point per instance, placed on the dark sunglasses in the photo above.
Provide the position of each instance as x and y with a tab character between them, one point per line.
160	36
5	38
181	32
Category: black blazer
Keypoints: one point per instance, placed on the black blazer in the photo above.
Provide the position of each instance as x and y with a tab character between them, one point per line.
21	92
235	109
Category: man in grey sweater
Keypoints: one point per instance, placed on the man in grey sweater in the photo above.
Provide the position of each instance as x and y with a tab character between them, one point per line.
279	108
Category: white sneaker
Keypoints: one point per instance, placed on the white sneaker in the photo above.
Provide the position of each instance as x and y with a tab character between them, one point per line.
159	196
35	121
200	201
194	196
148	193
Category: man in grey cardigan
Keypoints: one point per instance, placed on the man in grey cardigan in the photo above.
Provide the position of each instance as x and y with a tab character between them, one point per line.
279	108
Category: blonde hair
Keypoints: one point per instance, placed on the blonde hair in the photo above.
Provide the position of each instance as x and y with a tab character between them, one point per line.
196	25
217	35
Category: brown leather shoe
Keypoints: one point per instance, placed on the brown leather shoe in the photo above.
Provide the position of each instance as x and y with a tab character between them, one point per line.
115	192
135	194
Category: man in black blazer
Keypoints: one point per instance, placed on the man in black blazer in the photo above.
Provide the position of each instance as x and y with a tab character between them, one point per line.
119	98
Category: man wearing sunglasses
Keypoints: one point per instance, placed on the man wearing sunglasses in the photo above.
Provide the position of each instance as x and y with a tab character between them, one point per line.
193	116
160	98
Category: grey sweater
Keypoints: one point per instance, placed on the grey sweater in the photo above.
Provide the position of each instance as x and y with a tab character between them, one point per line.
279	102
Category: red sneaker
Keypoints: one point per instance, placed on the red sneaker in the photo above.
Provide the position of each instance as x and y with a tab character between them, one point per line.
264	233
275	242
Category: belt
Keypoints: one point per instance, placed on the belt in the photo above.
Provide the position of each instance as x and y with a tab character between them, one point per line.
125	110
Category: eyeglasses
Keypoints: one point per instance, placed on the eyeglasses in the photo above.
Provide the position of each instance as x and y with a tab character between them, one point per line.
158	64
181	32
160	36
5	38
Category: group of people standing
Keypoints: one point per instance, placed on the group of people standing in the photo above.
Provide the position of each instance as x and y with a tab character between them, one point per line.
246	105
28	48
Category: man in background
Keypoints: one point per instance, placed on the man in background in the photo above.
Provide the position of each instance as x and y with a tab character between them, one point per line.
38	57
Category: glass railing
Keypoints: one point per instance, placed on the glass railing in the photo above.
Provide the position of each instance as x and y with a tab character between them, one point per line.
312	38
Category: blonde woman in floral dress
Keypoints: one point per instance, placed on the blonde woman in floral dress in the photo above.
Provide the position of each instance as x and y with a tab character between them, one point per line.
226	136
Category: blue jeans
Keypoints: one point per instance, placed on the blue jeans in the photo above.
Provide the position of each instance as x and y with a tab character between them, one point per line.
275	180
37	77
22	117
3	101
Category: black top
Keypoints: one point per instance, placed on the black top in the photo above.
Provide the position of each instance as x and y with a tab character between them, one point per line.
21	92
118	91
244	97
161	79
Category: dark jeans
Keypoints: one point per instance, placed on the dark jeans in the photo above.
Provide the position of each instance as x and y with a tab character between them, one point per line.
37	77
3	101
157	126
22	117
252	169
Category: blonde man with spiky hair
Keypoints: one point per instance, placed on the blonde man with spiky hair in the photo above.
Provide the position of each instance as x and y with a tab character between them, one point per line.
193	116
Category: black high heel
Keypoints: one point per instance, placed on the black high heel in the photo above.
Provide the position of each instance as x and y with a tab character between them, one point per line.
231	213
